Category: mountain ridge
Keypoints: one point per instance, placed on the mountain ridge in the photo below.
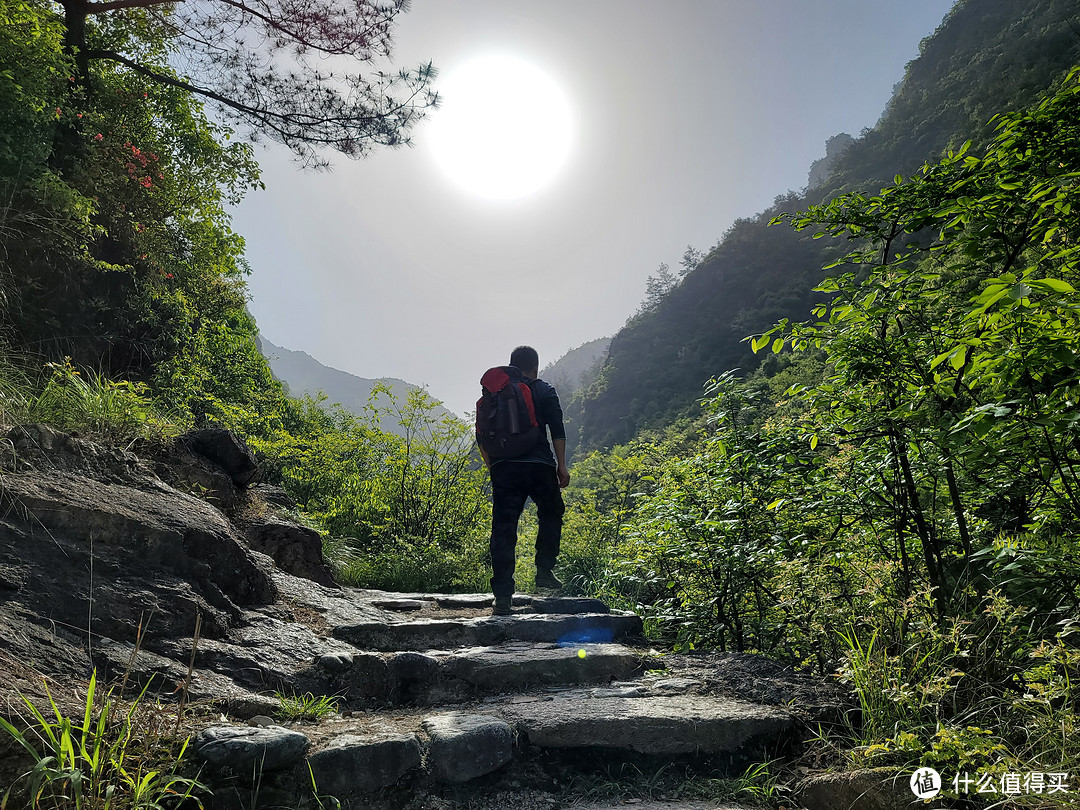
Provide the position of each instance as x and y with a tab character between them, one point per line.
985	57
302	374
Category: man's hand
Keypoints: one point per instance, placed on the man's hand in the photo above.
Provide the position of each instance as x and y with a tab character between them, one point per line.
561	470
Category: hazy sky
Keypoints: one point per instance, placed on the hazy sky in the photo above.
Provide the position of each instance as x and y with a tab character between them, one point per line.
679	117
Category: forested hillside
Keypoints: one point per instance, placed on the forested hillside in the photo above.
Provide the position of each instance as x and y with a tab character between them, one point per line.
894	495
576	368
987	56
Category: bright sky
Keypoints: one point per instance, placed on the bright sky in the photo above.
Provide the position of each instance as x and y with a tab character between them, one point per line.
621	132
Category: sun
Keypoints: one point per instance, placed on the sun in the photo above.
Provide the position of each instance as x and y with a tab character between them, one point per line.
504	128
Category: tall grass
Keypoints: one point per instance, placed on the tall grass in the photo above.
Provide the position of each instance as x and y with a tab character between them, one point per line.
81	401
15	388
109	759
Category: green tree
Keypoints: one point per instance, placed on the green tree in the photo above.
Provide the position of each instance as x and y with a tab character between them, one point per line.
657	288
122	259
952	344
281	71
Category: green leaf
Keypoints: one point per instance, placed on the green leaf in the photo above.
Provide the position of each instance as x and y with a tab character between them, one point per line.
1020	291
958	357
1052	285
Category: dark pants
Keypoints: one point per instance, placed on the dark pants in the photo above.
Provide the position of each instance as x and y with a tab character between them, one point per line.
511	483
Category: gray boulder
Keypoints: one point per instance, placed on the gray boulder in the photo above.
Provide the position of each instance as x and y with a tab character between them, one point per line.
239	748
163	528
353	763
247	705
273	495
227	450
568	604
866	789
465	746
296	549
522	664
683	724
486	631
369	679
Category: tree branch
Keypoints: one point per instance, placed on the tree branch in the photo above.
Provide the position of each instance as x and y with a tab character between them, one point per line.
164	78
113	5
281	28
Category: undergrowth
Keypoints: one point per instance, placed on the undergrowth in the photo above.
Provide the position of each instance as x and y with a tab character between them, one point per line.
978	696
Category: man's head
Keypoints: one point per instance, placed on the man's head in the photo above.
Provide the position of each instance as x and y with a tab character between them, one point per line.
526	360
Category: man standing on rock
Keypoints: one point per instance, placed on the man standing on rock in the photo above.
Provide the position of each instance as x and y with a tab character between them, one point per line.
539	472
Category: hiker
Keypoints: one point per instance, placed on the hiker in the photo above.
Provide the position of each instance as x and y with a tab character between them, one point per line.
522	464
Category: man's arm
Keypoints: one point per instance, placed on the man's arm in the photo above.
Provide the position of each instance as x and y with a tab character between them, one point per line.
560	459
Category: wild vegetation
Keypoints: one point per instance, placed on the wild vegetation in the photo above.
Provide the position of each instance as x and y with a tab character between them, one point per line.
116	754
896	498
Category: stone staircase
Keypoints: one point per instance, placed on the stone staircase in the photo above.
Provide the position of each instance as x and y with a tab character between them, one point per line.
439	699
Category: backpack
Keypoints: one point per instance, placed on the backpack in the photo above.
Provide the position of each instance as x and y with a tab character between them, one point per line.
506	424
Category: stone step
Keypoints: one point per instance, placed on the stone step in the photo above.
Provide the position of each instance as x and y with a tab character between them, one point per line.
647	723
352	756
447	676
520	664
408	602
487	631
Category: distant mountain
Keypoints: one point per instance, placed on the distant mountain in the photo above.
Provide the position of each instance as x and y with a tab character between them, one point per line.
986	57
303	374
577	368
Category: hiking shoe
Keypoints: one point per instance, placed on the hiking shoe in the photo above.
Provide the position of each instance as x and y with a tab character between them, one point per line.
504	606
547	580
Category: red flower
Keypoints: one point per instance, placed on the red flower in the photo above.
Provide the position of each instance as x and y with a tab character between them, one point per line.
168	275
98	137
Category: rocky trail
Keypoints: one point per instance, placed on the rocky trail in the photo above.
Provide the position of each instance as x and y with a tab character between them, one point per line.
179	573
442	696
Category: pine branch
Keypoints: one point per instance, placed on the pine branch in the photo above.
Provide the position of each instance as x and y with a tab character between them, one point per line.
113	5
